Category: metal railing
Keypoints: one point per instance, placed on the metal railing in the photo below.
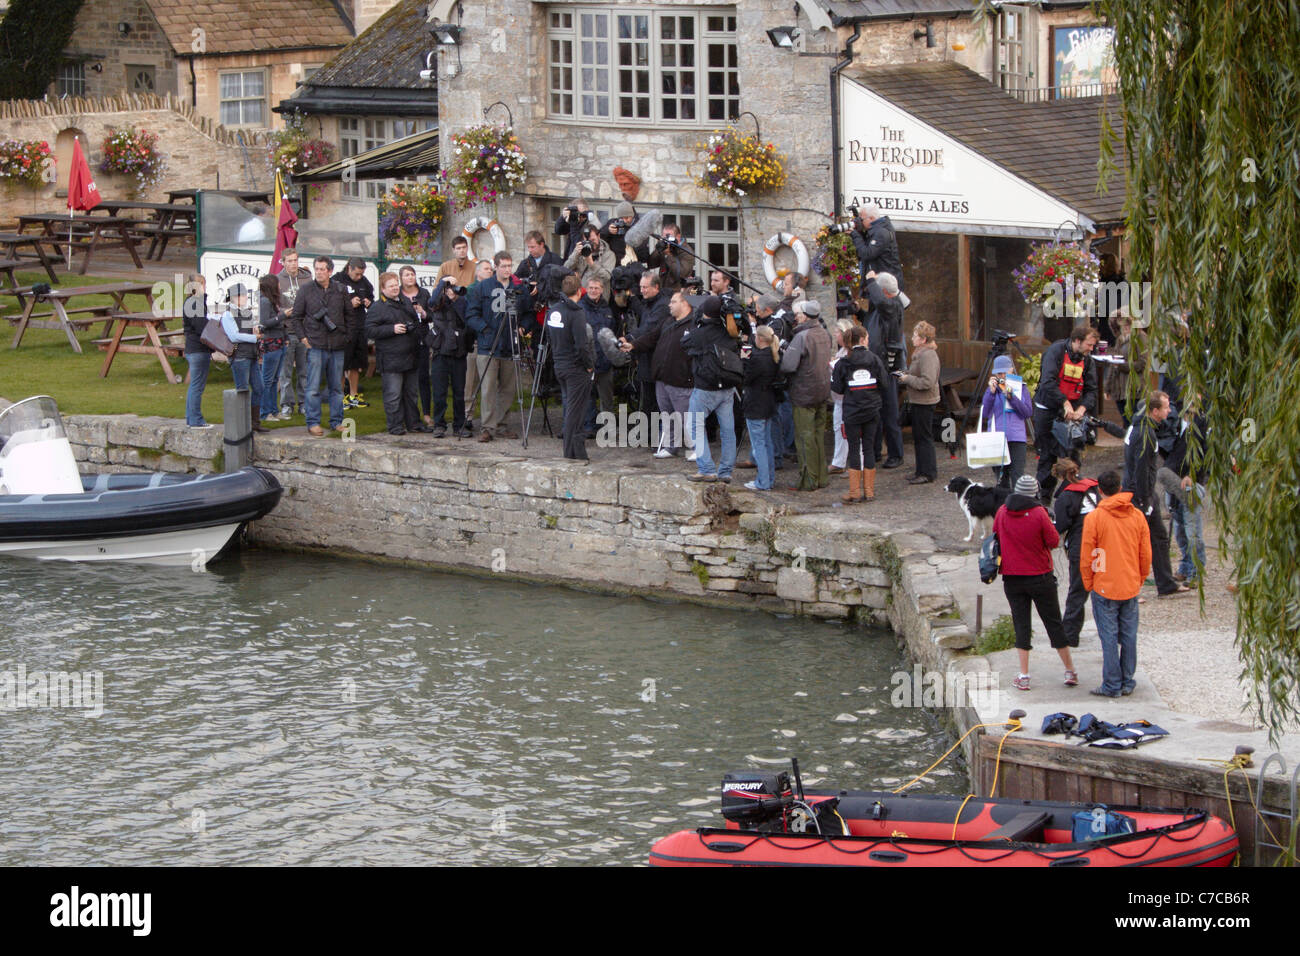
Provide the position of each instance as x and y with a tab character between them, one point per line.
1042	94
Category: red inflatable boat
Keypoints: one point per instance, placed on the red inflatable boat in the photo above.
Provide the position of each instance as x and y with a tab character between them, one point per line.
772	824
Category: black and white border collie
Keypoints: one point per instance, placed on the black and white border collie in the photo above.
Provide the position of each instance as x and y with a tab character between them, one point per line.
979	503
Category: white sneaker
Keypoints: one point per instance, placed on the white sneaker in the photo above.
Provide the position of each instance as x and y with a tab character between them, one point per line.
692	456
663	453
752	485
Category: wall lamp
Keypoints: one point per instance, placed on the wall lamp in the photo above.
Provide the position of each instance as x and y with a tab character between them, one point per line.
123	28
446	34
783	36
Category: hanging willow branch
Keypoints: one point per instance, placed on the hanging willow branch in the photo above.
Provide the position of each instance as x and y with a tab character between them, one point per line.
1211	92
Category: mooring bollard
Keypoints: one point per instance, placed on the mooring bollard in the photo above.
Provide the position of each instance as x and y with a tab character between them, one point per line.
237	406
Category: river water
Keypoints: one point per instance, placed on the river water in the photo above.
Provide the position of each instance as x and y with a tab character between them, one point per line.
286	709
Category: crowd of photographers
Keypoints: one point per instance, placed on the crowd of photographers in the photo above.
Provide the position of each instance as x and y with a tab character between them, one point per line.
622	317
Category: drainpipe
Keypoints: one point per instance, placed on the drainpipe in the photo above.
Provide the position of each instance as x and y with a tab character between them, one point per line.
194	85
837	185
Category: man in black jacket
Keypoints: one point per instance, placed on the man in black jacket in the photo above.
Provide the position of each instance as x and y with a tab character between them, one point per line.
317	321
706	343
358	293
884	326
1141	462
1067	389
393	324
449	343
575	363
670	370
652	311
876	243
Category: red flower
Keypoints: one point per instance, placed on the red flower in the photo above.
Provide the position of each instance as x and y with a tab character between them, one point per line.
1050	272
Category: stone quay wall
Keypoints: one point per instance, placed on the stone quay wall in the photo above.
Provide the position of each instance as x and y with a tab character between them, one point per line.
568	523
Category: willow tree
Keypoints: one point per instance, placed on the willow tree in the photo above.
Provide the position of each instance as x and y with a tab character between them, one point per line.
1211	97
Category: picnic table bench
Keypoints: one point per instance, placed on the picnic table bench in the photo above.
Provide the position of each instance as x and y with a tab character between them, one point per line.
950	379
60	299
83	234
12	242
150	342
166	221
247	195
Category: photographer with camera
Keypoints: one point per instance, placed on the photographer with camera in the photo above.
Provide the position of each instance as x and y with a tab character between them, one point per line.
573	219
492	310
614	232
395	328
317	321
876	243
415	300
592	259
358	294
1007	412
714	346
673	258
530	269
448	342
884	325
1067	392
1141	465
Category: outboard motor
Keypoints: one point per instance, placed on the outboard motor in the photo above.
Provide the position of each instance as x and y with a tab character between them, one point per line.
754	798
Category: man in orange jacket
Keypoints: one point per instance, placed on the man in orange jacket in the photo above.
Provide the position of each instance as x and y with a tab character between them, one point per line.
1114	561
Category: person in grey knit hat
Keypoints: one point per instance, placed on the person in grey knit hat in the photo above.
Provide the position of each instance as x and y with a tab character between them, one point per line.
614	231
1027	485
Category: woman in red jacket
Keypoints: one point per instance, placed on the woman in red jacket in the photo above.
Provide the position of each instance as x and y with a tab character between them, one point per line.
1026	537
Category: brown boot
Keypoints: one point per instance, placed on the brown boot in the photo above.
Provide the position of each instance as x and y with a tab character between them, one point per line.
257	420
855	487
869	484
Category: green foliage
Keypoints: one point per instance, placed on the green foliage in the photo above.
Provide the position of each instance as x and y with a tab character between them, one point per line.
1212	132
998	636
1030	369
701	571
33	36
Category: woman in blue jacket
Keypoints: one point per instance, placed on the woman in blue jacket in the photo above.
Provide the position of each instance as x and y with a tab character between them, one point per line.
1006	412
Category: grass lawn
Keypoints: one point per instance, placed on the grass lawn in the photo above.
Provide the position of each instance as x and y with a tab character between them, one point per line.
46	365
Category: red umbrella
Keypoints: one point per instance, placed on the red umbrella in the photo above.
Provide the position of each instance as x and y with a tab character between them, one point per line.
82	193
286	237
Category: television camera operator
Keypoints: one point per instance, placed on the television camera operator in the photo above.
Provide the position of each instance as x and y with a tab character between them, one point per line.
592	258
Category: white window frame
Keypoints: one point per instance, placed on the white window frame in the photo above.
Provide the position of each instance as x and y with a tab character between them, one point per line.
358	134
595	72
264	99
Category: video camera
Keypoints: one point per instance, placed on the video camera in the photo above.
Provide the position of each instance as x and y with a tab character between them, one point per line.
693	285
1110	428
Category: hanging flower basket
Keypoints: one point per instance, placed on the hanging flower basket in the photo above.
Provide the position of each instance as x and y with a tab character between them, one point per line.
1057	275
292	150
133	153
486	165
835	259
410	219
736	166
22	163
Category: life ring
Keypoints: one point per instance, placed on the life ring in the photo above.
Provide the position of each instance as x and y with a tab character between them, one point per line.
492	226
803	264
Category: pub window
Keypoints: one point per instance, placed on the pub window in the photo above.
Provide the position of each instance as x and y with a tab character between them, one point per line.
243	98
358	135
719	241
71	80
643	66
1014	49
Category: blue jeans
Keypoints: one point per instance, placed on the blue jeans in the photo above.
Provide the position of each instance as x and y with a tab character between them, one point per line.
785	412
248	375
332	364
1189	532
1117	627
762	435
702	403
199	363
272	362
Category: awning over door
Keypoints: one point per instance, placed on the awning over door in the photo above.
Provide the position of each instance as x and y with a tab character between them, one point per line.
401	159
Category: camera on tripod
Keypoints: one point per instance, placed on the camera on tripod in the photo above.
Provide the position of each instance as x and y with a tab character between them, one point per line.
1002	338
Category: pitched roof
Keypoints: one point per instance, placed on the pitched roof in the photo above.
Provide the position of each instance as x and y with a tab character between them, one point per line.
1054	145
389	55
246	26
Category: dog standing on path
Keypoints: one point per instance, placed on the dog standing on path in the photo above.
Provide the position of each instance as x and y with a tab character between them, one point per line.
979	503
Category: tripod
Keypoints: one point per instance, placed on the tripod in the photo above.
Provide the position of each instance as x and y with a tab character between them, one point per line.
999	347
509	320
543	349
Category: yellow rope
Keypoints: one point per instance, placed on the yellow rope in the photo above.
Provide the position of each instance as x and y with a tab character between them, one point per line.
997	764
1239	762
959	810
1013	724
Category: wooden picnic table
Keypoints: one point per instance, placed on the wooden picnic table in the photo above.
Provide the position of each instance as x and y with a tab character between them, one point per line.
86	232
149	343
10	242
166	221
949	380
247	195
59	300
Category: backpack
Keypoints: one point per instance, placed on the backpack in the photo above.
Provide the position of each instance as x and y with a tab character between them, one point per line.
990	558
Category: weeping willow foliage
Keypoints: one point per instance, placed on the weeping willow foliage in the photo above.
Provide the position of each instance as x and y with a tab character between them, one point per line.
1211	97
